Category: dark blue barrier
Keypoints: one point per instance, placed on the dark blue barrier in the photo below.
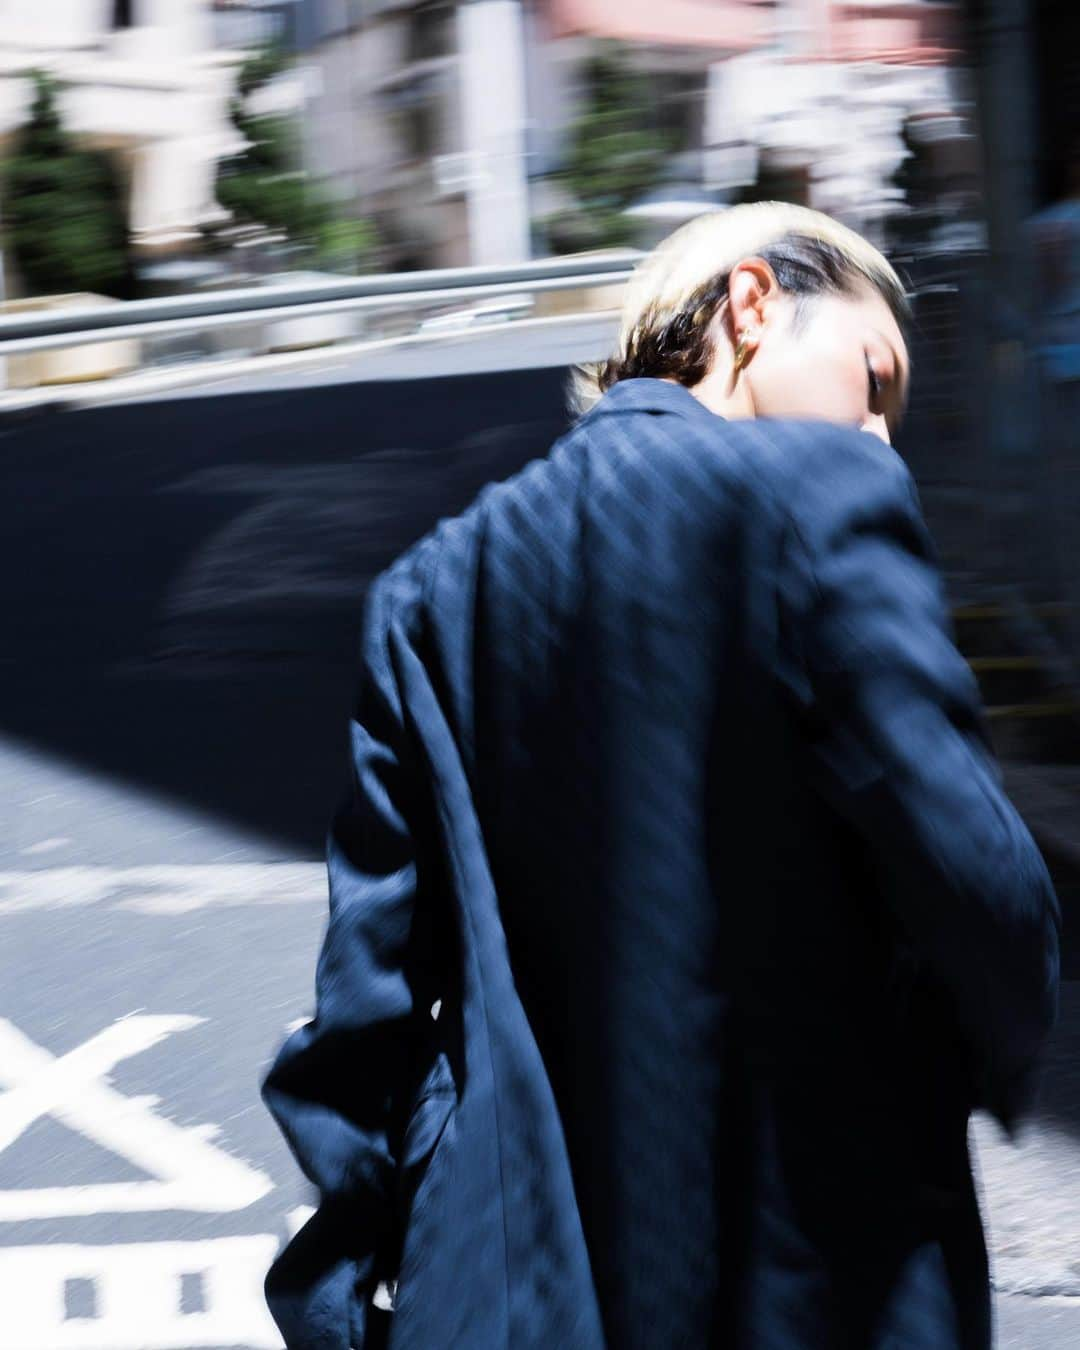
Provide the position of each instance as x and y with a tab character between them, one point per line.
184	577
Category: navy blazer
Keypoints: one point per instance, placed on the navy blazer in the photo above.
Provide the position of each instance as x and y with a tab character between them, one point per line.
672	800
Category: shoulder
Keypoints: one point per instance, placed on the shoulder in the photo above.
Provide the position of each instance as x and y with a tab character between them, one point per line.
805	468
395	598
446	558
821	475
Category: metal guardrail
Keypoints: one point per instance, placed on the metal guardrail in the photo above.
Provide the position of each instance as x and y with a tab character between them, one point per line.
82	335
396	290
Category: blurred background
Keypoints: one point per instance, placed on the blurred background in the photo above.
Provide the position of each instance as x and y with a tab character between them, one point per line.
282	282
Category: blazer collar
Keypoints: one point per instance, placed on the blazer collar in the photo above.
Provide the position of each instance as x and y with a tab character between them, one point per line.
650	395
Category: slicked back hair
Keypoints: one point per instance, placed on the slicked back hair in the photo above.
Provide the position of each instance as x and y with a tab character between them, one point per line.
675	292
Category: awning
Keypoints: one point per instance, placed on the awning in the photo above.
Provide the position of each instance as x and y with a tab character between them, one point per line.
899	33
725	25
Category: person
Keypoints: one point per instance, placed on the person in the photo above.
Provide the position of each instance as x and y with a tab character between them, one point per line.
678	919
1053	243
1053	236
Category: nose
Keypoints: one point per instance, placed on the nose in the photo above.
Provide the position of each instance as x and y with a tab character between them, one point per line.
876	425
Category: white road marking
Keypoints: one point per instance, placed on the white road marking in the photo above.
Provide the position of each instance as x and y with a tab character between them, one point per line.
165	889
296	1218
137	1295
46	845
192	1173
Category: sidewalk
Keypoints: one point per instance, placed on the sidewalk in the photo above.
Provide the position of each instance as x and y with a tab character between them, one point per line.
1031	1191
524	344
1036	1323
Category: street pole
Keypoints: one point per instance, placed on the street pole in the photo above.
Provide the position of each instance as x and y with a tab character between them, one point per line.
492	73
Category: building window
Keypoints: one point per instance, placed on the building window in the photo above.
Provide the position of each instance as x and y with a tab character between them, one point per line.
122	13
420	128
678	108
431	32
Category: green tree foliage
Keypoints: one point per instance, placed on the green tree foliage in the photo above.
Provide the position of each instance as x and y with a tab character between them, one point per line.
346	245
261	68
266	184
615	156
64	215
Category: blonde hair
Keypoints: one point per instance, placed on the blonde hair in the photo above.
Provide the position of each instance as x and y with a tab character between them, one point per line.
674	293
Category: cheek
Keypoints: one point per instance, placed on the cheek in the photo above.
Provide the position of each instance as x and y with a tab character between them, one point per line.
814	381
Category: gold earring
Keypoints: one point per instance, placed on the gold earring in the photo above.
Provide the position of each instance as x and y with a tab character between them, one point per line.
742	348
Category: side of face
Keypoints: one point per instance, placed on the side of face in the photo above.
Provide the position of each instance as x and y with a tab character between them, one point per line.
840	358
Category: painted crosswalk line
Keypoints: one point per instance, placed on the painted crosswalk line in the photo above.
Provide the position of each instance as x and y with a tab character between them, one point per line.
166	889
145	1296
189	1171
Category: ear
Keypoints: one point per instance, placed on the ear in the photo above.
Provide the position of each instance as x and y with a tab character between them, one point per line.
752	292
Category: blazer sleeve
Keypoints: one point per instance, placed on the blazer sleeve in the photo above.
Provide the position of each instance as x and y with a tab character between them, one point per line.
340	1085
890	715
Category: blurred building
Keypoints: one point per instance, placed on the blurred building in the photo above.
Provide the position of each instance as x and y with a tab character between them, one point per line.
144	79
418	118
449	121
254	23
444	120
816	101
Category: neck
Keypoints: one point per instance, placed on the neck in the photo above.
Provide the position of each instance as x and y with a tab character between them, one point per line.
724	394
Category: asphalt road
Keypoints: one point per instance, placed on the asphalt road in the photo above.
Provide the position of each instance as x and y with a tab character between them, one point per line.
155	960
184	584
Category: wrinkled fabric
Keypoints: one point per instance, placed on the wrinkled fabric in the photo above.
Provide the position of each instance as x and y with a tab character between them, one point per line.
672	791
